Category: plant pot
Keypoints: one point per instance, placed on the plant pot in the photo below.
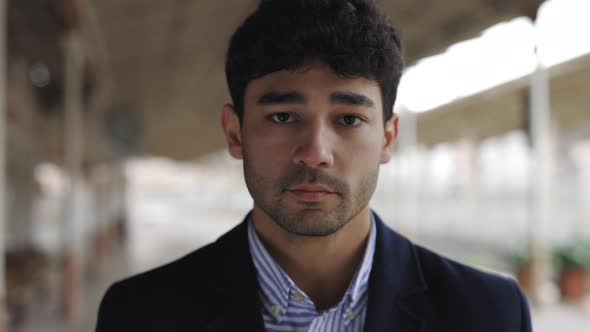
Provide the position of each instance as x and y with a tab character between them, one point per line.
572	284
524	276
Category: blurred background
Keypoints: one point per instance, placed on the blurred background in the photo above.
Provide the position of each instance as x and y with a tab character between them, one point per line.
112	158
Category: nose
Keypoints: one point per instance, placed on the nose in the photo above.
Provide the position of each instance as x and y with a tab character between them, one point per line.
314	147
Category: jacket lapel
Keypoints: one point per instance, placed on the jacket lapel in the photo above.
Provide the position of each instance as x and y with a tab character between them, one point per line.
238	302
396	286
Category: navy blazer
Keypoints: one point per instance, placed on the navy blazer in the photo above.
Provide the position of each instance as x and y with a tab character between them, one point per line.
411	289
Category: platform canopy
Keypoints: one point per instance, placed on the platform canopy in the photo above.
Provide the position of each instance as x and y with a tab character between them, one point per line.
161	62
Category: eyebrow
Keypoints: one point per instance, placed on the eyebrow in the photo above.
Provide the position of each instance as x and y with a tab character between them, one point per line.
294	97
351	98
273	98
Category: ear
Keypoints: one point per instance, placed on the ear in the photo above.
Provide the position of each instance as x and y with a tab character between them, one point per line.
232	131
389	137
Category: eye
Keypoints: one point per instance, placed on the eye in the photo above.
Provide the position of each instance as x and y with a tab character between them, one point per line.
350	120
282	118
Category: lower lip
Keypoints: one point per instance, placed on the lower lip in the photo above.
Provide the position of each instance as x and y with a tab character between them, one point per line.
310	196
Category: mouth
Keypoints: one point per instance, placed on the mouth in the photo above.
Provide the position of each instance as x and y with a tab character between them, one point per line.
311	192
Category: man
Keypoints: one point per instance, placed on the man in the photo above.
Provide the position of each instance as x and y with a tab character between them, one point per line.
313	83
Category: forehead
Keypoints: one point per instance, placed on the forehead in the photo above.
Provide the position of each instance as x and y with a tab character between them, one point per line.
314	80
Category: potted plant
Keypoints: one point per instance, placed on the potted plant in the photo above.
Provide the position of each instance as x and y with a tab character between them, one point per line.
521	263
572	262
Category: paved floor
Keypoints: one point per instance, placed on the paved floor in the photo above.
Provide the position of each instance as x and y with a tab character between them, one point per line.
561	318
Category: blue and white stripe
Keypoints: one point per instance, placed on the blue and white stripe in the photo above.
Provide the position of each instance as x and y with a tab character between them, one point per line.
287	308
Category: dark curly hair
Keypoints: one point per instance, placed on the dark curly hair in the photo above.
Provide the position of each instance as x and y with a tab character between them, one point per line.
353	37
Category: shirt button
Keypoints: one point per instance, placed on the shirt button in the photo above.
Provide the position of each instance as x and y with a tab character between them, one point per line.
298	297
276	309
349	314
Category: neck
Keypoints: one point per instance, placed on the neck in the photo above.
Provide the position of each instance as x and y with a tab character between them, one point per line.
322	267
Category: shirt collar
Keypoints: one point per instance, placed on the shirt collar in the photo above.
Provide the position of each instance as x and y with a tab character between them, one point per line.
277	288
361	279
274	283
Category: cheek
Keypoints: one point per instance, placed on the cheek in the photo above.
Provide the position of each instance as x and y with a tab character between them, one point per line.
266	153
358	166
364	152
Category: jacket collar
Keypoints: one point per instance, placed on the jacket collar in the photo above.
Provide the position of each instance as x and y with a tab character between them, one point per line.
239	303
396	285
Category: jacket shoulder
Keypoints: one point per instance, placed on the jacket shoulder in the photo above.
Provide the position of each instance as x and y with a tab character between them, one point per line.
188	269
460	290
443	271
182	295
141	301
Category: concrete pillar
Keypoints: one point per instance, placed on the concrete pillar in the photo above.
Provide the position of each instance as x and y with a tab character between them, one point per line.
410	167
468	170
3	319
20	158
21	190
108	221
100	181
74	152
542	181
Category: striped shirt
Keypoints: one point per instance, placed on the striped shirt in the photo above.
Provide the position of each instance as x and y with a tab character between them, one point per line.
286	308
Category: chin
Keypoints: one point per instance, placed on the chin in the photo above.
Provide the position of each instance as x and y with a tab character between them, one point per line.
311	222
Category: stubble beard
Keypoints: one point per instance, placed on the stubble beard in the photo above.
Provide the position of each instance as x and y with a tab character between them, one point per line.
309	218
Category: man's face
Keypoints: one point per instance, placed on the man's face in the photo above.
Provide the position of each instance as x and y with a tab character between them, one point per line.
312	143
